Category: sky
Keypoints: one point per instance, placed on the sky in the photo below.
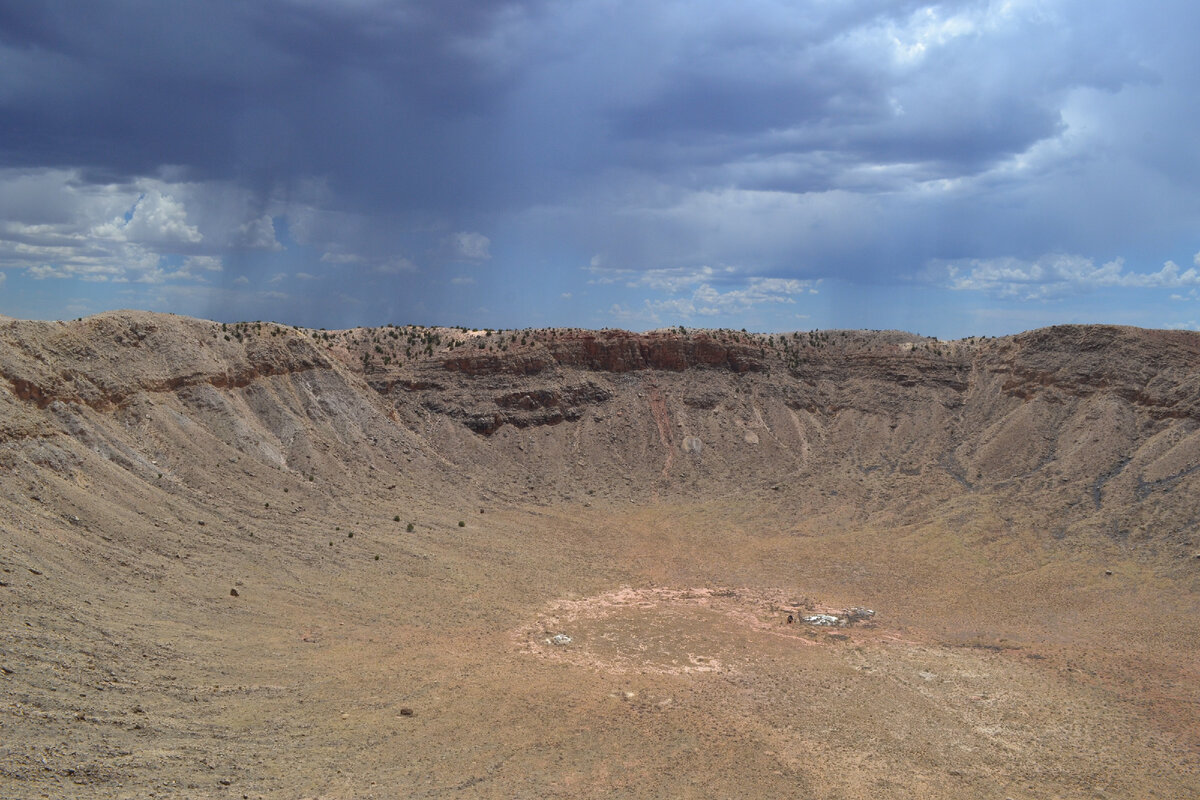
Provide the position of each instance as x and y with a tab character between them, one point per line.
976	167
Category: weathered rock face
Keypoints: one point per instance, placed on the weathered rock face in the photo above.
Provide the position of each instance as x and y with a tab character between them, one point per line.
516	364
614	351
620	351
531	385
1153	370
1092	425
581	394
1096	426
120	355
130	386
523	409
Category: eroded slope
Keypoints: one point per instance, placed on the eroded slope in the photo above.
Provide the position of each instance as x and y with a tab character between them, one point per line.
1020	512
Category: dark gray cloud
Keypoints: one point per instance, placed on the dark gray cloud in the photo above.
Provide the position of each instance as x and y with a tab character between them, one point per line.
764	141
366	94
374	96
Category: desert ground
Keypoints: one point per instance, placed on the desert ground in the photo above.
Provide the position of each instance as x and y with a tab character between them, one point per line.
260	561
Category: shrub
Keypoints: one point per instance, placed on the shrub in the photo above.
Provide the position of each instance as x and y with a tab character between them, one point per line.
409	528
462	524
396	518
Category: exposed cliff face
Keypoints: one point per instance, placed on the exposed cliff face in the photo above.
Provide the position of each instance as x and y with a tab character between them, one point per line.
170	396
1098	424
619	351
615	351
1154	370
1084	422
117	356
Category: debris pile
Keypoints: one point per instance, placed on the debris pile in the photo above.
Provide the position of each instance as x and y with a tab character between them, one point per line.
847	617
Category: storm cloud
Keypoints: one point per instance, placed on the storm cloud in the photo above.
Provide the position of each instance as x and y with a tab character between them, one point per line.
792	163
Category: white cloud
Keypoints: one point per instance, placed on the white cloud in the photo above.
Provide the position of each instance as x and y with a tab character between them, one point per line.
630	317
708	301
930	28
154	218
43	271
305	276
241	280
676	279
56	225
607	275
387	265
341	258
1054	275
469	246
193	268
258	234
664	279
154	275
193	264
93	272
695	290
462	280
395	266
1168	276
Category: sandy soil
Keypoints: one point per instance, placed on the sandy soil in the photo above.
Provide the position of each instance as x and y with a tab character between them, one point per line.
361	659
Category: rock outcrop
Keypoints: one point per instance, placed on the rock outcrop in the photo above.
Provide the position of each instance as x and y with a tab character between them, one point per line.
1096	425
